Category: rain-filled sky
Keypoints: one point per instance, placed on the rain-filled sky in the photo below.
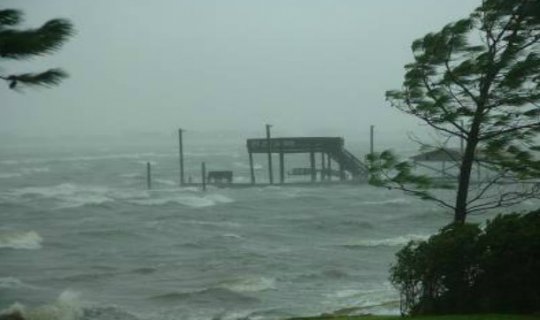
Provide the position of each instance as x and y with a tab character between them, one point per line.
309	67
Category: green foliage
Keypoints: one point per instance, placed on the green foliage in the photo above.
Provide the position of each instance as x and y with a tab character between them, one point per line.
464	269
478	79
25	44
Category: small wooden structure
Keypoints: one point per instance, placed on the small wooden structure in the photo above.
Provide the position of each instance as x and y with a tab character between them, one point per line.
330	149
220	177
448	159
441	156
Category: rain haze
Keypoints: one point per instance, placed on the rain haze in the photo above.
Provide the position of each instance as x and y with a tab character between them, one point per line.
206	160
309	67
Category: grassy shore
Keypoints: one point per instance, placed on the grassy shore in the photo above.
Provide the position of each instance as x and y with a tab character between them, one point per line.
460	317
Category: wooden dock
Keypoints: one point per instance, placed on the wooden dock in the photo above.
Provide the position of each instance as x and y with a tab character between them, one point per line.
350	170
331	149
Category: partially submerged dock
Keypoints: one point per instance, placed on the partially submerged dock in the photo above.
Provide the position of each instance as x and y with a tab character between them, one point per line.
330	149
335	162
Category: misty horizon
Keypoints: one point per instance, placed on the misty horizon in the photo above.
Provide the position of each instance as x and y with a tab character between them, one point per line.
308	68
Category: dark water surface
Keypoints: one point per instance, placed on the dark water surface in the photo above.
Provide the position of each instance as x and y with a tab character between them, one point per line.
81	237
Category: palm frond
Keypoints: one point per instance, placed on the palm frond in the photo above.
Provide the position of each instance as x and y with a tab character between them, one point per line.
10	17
48	78
24	44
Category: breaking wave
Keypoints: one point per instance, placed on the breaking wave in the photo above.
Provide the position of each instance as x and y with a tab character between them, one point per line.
23	172
389	201
10	282
187	200
249	284
20	240
388	242
67	307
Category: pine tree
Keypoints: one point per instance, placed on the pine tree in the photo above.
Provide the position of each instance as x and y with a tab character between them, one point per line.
17	44
477	79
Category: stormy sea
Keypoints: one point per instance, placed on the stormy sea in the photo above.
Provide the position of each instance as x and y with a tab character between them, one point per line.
81	236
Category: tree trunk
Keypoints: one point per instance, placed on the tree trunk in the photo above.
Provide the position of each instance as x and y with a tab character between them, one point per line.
460	212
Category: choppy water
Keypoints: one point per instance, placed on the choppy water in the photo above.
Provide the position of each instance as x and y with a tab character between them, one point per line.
82	238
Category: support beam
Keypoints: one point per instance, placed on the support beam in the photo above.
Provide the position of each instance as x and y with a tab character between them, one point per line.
181	156
251	169
281	164
329	166
323	173
203	176
341	172
313	169
269	150
371	139
148	176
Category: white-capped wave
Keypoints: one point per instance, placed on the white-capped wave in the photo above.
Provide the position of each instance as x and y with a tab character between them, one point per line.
187	200
359	300
10	282
63	189
66	307
391	242
388	201
81	200
219	198
30	240
69	195
250	284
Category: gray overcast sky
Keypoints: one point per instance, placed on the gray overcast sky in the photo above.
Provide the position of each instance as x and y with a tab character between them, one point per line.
306	66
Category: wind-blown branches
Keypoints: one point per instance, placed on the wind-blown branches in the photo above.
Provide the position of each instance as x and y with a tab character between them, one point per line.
25	44
486	93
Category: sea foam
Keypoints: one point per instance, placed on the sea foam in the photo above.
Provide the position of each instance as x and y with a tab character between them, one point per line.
250	284
67	307
20	240
10	282
390	242
187	200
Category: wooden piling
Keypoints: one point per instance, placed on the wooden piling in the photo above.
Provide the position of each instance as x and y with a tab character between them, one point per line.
269	150
281	164
323	173
251	169
371	139
203	176
312	163
341	172
181	156
148	176
329	167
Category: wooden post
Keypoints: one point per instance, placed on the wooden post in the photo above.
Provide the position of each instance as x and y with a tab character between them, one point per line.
312	162
281	164
341	171
269	149
323	174
251	169
203	176
329	167
371	139
148	176
181	155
